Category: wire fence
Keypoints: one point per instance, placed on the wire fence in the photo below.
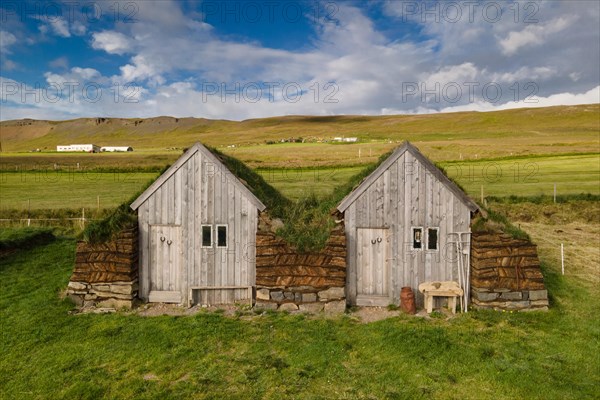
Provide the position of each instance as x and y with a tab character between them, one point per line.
46	222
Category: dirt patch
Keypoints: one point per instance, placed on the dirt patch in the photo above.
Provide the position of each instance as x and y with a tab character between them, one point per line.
372	314
157	309
363	315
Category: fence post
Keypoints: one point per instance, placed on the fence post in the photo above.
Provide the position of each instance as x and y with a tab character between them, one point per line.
562	258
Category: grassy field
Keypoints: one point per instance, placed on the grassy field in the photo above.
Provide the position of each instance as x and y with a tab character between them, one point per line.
296	183
441	137
48	353
524	176
64	189
528	176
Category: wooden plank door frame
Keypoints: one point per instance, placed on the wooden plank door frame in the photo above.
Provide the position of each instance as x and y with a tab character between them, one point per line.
381	236
173	234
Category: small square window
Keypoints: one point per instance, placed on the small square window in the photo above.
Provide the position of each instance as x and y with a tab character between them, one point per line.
417	238
206	235
221	235
432	238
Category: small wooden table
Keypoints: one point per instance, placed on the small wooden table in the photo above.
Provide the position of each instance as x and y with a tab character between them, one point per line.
440	289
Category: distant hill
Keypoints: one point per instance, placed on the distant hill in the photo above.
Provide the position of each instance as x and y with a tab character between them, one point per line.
578	125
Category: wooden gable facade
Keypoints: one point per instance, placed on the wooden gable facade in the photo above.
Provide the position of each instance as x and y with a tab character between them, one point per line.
197	225
401	226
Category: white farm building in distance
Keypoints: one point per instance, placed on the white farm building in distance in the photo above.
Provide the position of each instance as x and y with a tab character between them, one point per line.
346	139
88	148
92	148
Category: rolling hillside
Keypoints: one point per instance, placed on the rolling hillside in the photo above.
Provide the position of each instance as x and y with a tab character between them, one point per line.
522	131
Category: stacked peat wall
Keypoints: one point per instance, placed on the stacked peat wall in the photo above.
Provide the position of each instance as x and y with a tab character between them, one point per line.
505	273
106	274
288	280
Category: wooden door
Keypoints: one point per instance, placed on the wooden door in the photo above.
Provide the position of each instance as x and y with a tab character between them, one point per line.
165	264
373	249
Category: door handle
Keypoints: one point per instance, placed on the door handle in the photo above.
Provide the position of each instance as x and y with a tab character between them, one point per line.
373	241
169	242
379	240
162	238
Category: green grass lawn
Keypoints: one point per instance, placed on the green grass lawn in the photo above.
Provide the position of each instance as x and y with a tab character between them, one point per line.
528	176
302	182
523	176
63	189
47	353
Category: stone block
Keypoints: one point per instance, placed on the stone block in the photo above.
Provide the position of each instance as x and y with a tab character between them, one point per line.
538	295
311	307
77	286
110	295
297	297
121	288
309	297
335	307
101	287
265	305
288	295
516	305
115	303
332	293
263	294
277	295
288	307
511	296
485	296
301	288
90	297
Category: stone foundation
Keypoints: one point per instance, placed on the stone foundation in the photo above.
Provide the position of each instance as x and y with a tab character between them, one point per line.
505	273
288	281
106	274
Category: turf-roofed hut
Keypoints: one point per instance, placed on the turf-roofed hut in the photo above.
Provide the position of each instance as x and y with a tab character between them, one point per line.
402	226
197	232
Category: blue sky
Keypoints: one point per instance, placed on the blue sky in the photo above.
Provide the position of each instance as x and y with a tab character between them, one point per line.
250	59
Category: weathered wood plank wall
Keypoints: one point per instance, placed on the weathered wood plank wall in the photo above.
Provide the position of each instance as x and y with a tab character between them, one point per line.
199	192
406	195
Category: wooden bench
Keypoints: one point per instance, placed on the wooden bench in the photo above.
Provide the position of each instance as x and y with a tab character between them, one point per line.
440	289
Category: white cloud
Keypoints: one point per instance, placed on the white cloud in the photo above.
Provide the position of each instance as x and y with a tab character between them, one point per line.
59	26
7	39
60	62
532	35
172	56
8	65
560	99
112	42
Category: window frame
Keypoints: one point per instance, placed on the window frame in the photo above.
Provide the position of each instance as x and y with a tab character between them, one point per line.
437	237
226	236
202	236
412	238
